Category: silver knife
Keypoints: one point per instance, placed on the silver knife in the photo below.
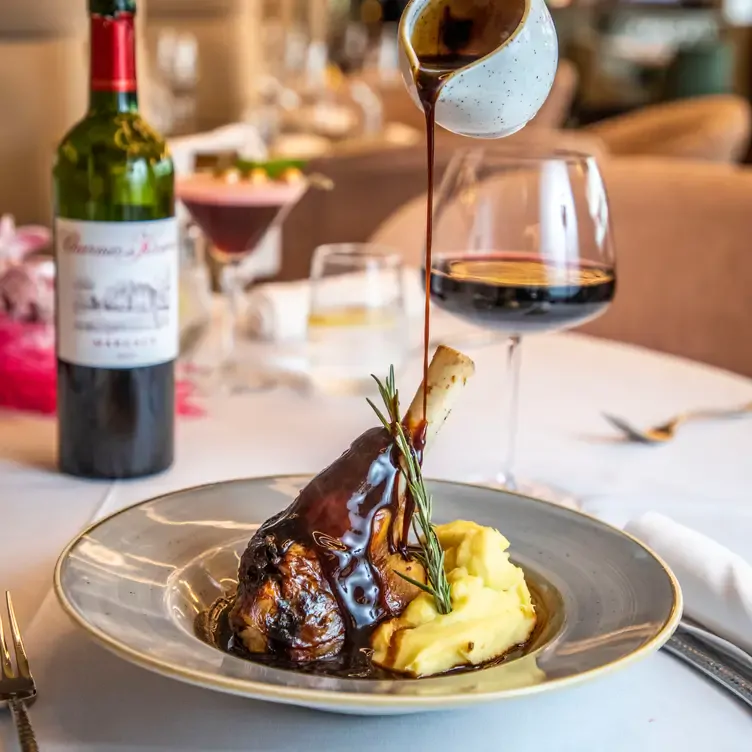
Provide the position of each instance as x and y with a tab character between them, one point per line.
710	663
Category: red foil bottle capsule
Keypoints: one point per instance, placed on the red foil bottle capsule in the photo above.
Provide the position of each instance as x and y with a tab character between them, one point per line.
113	53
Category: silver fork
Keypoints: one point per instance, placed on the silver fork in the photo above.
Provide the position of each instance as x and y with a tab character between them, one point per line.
17	688
664	432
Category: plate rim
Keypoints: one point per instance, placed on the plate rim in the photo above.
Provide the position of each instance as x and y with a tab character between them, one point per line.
334	699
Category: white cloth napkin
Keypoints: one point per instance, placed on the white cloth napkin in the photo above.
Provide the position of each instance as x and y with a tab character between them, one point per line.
278	311
716	583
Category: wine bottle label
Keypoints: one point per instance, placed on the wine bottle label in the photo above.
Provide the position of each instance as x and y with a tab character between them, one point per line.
117	292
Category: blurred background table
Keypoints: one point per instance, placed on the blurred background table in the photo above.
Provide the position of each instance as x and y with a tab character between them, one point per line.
320	78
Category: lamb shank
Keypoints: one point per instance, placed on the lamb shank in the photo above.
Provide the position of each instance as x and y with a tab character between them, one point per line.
324	573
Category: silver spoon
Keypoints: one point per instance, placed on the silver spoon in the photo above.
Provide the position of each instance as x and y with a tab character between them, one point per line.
666	431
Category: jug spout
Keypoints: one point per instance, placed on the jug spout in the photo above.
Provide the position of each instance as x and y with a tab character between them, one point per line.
471	29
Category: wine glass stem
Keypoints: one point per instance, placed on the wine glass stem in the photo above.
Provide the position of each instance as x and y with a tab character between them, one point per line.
233	293
510	410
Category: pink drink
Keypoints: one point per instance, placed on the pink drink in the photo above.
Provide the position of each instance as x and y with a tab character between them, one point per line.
236	215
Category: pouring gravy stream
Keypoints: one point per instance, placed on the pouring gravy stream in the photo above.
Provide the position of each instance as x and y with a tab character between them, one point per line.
450	36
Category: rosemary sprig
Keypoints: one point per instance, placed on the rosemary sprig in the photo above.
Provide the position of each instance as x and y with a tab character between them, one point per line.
431	555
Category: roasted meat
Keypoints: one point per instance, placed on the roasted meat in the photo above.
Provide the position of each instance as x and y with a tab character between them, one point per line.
324	573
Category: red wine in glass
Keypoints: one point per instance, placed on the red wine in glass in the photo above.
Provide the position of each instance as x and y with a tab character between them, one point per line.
233	229
521	293
235	216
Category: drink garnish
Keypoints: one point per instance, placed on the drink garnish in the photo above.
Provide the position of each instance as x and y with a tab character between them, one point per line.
274	168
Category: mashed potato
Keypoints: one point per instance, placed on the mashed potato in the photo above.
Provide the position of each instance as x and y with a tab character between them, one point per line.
491	609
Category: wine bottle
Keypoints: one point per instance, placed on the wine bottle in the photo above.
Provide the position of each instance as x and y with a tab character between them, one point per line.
116	245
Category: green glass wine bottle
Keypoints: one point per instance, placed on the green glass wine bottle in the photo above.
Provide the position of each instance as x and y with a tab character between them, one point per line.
116	245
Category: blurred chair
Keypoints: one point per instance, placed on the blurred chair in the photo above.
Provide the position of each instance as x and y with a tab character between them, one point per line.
399	108
556	109
684	268
713	129
370	187
701	70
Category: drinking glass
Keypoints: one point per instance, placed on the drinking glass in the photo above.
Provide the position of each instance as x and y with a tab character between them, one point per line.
357	324
522	245
194	296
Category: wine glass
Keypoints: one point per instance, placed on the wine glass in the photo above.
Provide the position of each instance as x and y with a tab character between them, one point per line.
522	245
235	214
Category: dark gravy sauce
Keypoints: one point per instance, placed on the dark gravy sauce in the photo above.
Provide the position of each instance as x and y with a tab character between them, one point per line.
212	627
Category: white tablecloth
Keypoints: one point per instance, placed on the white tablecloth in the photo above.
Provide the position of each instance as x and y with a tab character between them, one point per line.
90	700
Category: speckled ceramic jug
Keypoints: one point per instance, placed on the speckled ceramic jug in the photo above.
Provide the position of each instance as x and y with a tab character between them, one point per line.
500	93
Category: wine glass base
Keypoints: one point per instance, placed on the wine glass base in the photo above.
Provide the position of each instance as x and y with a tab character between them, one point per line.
531	488
232	379
245	380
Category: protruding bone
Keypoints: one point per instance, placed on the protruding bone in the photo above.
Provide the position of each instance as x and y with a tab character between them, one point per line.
447	374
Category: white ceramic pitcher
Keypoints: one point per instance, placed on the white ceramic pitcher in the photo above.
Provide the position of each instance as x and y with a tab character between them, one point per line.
500	93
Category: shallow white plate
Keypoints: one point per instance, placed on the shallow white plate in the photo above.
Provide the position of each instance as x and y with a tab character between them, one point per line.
136	581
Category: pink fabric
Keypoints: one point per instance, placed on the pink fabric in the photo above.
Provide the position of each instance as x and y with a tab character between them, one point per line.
26	283
28	371
18	242
27	339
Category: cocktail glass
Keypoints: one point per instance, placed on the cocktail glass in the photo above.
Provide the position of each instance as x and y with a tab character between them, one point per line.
235	213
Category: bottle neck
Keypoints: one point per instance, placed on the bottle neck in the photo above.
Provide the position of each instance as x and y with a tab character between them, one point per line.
113	64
